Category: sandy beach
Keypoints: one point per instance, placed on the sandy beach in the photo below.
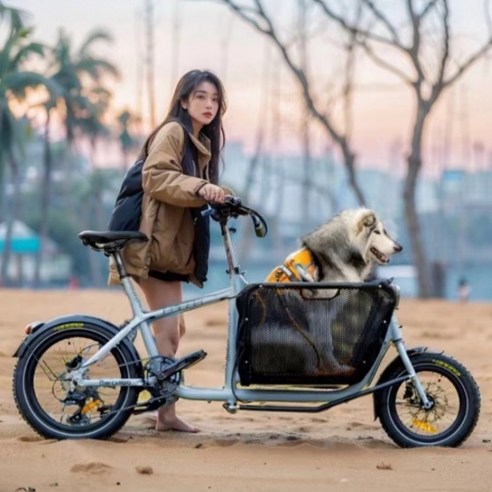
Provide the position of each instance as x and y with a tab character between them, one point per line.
343	449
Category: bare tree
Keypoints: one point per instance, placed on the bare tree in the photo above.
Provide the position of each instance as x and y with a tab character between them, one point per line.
424	45
257	16
149	60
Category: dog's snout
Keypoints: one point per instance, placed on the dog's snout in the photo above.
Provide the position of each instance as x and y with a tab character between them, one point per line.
398	248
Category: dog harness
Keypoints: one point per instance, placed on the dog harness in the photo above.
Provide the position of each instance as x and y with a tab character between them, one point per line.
299	266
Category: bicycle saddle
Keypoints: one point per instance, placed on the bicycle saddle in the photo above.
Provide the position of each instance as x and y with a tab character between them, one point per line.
109	241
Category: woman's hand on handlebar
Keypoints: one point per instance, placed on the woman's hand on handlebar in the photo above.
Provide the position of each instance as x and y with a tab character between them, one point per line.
212	193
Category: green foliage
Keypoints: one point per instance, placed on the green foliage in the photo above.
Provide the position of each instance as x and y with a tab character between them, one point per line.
78	73
62	229
12	16
14	81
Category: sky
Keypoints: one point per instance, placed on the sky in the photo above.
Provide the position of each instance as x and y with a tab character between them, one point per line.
261	94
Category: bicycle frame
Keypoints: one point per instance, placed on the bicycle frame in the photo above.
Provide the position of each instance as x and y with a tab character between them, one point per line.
230	393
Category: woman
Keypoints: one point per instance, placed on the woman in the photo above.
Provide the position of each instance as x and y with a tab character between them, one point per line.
179	176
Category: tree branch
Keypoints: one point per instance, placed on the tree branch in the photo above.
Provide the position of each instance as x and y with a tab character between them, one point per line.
381	17
438	85
364	33
414	51
297	71
242	12
469	62
428	8
386	65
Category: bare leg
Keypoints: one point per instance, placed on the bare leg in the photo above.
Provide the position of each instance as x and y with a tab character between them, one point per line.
167	332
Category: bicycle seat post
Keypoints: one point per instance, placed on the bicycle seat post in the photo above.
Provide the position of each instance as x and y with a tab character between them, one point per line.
135	303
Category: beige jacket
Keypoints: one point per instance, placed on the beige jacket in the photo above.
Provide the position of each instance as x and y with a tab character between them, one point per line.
166	218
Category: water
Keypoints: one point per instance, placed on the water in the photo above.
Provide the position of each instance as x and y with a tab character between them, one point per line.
479	277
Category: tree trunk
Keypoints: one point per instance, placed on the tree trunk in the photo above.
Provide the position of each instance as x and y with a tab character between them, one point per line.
349	160
45	202
419	255
97	277
10	217
3	184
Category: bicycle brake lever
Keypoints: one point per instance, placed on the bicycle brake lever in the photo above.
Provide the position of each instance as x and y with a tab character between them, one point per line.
207	212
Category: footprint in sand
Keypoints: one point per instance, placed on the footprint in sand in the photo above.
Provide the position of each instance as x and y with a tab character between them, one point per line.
30	438
291	440
221	443
372	443
120	440
361	426
92	468
438	336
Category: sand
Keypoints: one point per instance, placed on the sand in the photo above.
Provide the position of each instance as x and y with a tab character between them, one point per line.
342	449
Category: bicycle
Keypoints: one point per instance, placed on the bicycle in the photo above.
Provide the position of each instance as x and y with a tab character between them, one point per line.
80	376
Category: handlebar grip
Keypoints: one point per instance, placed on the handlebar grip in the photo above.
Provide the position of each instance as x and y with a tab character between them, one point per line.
259	225
233	200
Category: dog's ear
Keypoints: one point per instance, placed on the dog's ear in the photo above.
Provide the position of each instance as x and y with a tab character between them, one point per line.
368	220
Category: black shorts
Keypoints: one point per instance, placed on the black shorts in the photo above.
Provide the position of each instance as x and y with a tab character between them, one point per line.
169	276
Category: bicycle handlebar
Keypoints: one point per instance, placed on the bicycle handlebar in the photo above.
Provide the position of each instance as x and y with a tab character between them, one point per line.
233	207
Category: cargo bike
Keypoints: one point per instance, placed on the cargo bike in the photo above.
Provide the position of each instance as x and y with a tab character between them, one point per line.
292	347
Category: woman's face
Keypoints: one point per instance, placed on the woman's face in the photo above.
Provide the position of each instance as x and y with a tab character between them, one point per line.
202	105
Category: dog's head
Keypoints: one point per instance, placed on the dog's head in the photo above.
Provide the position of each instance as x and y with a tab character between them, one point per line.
375	242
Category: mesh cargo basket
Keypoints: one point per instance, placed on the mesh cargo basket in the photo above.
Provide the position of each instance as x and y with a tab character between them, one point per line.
293	334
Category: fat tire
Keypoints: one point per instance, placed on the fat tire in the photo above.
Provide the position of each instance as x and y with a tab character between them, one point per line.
32	411
465	386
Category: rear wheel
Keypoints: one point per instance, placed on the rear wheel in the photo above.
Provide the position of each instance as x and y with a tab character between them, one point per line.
50	402
454	397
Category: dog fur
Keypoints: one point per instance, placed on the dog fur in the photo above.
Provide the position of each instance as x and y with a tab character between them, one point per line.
347	247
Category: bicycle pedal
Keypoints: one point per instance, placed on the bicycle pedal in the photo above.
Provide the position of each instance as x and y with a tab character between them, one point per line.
143	397
183	363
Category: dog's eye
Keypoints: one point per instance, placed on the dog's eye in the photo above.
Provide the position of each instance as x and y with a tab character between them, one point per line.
377	232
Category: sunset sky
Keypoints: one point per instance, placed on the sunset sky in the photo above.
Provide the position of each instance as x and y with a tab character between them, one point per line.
209	36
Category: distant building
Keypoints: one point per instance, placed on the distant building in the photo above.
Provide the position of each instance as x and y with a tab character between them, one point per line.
25	243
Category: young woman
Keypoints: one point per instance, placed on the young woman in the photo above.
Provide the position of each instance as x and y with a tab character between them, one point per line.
179	176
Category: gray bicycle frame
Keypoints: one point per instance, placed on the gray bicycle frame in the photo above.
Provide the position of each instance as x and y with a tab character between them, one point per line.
232	393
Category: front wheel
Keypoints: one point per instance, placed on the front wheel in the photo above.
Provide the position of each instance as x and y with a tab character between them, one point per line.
49	401
454	397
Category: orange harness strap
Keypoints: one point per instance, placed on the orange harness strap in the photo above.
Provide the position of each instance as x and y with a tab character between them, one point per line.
299	266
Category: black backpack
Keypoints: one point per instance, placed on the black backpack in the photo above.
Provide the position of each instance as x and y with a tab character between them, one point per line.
127	210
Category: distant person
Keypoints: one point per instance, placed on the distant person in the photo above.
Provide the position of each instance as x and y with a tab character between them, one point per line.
463	290
73	283
179	177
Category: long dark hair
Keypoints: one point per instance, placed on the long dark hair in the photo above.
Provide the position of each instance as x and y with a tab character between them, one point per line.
214	130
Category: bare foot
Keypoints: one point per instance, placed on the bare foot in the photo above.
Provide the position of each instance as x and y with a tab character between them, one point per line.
175	424
167	423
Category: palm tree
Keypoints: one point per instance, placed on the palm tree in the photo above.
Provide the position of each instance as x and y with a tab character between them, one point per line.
82	104
96	191
69	70
125	137
14	81
15	17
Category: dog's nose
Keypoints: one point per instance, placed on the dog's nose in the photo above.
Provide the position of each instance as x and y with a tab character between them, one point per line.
398	248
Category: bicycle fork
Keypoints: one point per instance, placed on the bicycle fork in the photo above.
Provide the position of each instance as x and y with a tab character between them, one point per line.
402	351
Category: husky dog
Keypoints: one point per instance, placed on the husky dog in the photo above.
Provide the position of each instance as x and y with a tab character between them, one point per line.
346	247
342	250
